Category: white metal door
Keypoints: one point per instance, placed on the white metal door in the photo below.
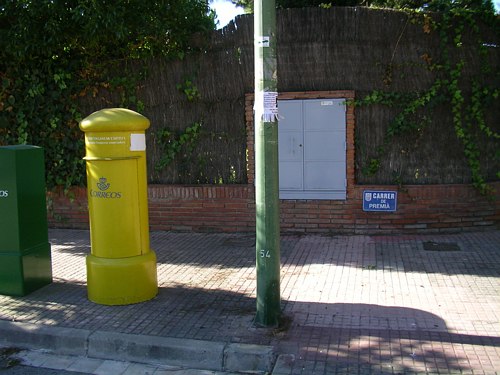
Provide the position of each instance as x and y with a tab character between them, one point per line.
290	146
312	155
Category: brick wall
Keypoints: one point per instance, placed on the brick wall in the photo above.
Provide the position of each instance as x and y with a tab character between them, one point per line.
231	208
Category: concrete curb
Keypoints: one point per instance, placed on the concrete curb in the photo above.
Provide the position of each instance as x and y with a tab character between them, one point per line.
188	353
68	341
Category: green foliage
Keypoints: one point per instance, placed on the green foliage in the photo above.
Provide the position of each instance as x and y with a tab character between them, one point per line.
54	52
186	154
468	111
172	144
35	109
433	5
189	89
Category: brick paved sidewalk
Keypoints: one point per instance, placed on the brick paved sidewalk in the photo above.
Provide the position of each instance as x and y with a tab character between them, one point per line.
352	304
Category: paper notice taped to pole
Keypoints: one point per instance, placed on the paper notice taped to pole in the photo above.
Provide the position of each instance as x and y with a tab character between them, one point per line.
266	106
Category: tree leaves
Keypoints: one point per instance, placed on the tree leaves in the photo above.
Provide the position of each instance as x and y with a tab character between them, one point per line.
54	51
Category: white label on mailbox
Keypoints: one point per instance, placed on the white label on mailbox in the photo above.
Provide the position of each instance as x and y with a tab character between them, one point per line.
105	140
137	142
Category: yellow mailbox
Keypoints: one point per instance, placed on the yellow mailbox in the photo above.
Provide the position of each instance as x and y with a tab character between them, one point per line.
121	268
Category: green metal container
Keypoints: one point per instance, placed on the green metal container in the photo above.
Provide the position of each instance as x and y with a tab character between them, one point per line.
25	259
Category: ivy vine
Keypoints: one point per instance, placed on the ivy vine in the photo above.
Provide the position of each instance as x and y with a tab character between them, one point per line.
54	54
188	88
468	112
172	143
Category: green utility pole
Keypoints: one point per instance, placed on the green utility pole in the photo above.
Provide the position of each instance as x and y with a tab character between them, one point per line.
266	165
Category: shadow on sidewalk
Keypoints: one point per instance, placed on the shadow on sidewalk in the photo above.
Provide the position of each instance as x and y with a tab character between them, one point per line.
337	336
377	339
340	337
391	253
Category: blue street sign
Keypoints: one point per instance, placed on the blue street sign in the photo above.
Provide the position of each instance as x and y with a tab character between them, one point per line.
380	200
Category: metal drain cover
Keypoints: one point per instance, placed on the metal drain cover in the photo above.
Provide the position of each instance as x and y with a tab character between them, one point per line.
441	246
239	242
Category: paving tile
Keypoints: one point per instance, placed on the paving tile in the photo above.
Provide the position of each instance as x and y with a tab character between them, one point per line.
85	365
111	367
59	362
32	357
369	302
140	369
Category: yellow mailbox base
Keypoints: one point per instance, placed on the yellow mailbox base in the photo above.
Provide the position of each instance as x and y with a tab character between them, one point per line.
122	281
